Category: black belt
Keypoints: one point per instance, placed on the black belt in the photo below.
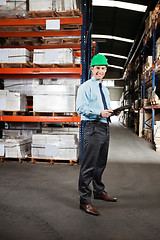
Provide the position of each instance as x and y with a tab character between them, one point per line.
96	122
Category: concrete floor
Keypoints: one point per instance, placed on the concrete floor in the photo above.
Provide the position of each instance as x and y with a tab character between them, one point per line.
40	202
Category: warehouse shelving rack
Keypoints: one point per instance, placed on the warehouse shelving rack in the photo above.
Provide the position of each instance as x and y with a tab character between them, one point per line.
41	72
35	72
152	35
138	93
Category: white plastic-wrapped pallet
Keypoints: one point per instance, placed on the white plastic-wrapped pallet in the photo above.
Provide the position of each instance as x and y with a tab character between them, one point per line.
1	147
23	125
62	147
53	56
19	147
40	5
61	131
12	8
14	55
54	98
12	101
64	5
157	136
62	81
9	133
22	86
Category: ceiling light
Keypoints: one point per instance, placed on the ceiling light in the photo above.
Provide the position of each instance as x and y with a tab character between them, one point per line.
114	66
112	37
114	55
119	4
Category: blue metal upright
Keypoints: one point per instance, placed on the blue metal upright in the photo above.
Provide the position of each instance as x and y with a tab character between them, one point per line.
153	81
85	58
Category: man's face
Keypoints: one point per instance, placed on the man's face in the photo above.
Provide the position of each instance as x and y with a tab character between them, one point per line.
99	72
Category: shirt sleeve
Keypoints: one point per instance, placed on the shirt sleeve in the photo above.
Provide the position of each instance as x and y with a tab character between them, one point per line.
82	104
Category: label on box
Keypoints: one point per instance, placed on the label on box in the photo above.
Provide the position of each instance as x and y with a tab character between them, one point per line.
51	151
53	24
2	2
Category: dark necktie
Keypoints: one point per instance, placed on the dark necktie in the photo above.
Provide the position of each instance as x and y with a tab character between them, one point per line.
103	100
102	95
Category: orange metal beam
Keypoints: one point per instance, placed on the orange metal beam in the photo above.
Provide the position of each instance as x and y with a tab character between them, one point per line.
39	21
30	48
69	70
39	76
58	33
39	119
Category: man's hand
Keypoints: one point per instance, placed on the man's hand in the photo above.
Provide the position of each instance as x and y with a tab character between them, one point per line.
106	113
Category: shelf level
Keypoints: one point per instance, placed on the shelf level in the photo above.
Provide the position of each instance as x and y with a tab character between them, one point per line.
40	21
50	46
56	70
46	119
151	107
58	33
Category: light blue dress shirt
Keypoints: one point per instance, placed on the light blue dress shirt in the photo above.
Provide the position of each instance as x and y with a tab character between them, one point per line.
89	101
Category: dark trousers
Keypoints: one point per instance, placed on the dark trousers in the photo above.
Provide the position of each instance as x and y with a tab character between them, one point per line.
96	144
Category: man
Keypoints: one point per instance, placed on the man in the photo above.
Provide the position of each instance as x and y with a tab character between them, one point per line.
93	103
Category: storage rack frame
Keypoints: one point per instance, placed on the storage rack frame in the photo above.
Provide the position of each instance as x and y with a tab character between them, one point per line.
71	72
153	108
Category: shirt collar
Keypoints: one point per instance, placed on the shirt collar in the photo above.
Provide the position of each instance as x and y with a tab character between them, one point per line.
94	79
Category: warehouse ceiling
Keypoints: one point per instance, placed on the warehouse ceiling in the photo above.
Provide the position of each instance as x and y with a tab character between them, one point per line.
118	31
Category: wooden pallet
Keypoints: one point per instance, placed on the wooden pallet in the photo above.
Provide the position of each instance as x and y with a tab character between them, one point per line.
55	114
51	13
53	161
40	160
20	160
52	41
70	27
15	65
28	28
12	113
50	65
37	65
22	41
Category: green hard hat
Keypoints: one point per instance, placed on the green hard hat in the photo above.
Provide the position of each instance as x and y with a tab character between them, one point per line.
99	60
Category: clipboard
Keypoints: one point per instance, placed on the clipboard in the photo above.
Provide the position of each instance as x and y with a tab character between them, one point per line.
121	108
